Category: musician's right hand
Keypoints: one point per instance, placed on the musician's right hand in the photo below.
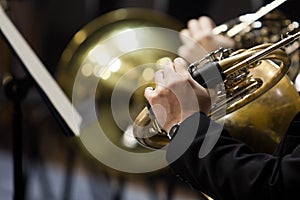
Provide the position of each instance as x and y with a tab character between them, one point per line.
177	95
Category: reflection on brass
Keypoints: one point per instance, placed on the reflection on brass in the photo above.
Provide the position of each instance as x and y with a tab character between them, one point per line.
253	81
263	121
129	74
271	28
260	123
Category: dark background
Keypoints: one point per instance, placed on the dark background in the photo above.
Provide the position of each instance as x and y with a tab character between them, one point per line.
54	166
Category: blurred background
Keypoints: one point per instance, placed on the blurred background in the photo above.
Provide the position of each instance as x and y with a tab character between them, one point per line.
55	166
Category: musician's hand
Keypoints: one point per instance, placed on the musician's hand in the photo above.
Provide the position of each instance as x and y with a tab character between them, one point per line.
199	40
177	95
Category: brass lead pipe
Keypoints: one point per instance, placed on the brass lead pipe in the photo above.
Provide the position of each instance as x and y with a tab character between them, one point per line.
267	49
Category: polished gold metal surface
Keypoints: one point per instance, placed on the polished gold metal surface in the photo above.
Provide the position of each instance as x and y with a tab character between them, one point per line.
251	77
130	75
263	122
260	123
270	29
120	77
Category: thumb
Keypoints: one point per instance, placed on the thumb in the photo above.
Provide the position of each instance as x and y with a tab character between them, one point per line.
148	92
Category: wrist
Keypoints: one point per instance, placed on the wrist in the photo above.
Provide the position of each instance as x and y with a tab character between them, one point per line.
173	131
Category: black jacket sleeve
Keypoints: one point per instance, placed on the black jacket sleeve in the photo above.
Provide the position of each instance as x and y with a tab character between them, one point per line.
229	169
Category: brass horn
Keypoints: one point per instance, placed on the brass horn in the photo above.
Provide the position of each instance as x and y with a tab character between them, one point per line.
88	55
268	29
89	59
246	75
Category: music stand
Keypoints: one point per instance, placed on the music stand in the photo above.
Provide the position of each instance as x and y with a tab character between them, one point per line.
56	100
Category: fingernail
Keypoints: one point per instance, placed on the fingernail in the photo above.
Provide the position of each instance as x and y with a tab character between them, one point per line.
149	88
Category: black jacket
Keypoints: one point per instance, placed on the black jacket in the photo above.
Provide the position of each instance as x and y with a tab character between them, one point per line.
231	170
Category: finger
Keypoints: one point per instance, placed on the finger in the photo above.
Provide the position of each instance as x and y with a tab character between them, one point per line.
185	32
148	93
159	77
206	24
185	36
169	70
194	27
181	66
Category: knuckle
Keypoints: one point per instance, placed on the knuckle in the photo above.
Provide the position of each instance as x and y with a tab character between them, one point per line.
185	77
200	37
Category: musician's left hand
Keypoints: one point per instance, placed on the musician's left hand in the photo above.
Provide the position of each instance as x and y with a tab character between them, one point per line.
199	40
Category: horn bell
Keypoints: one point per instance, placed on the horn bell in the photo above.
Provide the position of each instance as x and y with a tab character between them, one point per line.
104	71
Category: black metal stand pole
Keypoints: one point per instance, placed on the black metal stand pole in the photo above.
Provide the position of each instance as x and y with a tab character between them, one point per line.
16	91
19	184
